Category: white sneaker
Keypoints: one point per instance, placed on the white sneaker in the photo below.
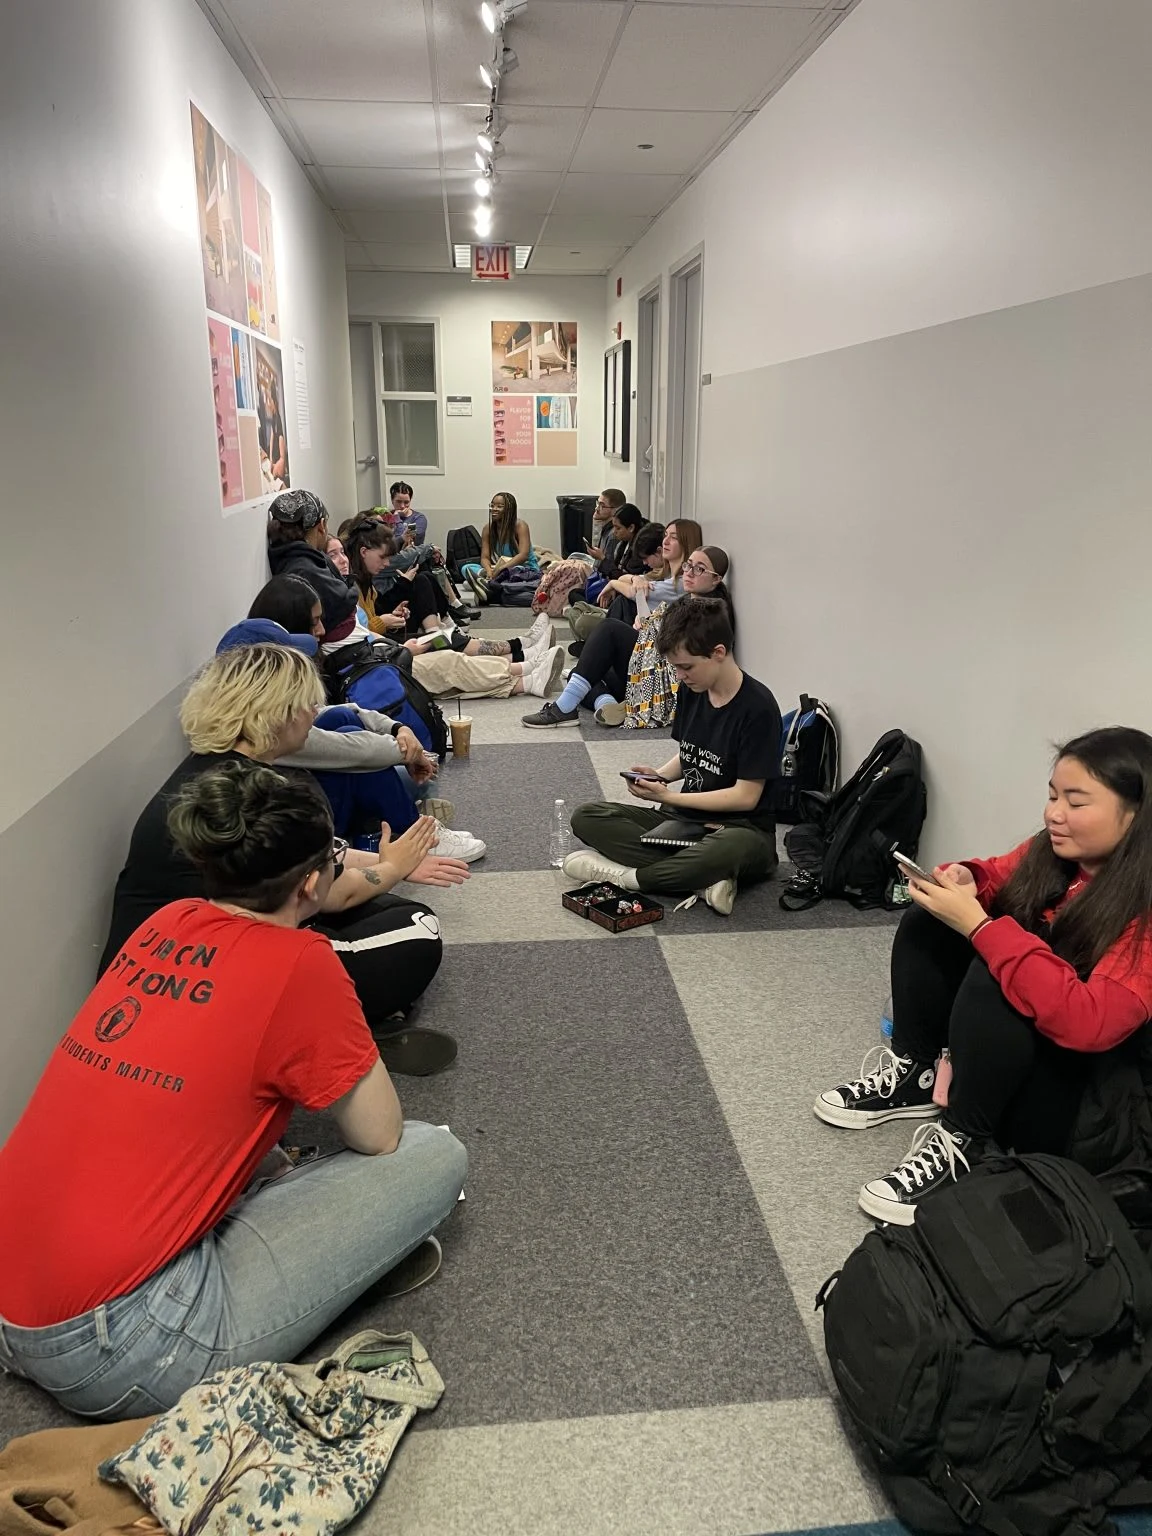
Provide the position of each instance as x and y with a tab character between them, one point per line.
586	864
451	843
542	671
541	625
543	641
721	896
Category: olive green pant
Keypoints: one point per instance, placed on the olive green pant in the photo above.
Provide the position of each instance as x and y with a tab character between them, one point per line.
739	851
584	617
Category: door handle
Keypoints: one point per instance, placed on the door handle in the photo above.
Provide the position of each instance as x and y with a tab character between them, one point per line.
368	462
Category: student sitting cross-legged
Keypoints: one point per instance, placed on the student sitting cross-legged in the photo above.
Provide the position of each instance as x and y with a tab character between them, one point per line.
177	1078
1027	969
727	726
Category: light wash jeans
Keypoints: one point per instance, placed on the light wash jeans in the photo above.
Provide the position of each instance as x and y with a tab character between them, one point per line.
286	1260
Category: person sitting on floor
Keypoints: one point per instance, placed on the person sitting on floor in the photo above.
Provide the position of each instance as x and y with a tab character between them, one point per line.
399	599
682	537
410	528
257	703
297	540
622	661
1024	969
412	525
619	558
220	1014
727	726
505	545
603	541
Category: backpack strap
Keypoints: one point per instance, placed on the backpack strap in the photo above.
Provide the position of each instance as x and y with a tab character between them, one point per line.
965	1503
802	892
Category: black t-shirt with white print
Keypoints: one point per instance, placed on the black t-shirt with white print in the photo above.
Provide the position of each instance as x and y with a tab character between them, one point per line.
719	746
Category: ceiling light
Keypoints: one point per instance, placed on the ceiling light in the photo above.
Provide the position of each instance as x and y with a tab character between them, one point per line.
493	128
495	14
481	163
492	74
462	256
488	16
523	256
483	186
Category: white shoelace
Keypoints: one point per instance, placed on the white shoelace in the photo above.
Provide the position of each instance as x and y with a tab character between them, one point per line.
933	1149
882	1078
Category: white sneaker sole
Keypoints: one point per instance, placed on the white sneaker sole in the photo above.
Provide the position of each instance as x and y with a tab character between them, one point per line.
879	1209
865	1119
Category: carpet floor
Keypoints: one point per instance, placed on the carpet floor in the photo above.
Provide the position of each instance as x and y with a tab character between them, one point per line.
624	1316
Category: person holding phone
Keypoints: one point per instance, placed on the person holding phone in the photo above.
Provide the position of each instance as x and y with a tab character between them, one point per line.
727	729
1024	969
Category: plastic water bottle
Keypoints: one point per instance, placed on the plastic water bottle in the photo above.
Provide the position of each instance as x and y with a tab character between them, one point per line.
560	837
886	1022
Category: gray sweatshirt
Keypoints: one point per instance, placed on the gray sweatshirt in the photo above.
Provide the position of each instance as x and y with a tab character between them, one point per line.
349	751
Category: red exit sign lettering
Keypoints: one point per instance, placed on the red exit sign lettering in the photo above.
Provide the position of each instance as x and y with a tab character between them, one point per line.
492	263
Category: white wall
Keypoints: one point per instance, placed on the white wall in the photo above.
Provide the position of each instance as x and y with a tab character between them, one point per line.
117	556
120	570
466	311
922	192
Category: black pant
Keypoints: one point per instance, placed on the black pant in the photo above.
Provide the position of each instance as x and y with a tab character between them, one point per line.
622	608
423	596
605	657
390	947
1010	1082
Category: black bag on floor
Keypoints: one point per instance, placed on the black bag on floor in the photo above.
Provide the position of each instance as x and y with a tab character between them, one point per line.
994	1356
846	848
809	760
462	546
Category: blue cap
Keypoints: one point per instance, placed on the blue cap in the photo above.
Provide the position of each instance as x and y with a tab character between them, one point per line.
265	632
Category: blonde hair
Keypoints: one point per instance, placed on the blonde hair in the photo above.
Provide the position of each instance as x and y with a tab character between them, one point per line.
249	694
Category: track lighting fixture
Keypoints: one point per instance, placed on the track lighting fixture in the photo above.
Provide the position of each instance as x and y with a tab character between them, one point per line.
495	14
504	64
483	186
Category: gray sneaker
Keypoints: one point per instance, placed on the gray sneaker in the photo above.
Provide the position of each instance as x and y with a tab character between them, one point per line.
550	716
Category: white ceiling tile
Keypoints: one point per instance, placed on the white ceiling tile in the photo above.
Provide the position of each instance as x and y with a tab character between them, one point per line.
595	228
401	134
411	258
413	228
794	5
714	56
535	138
355	187
585	258
628	195
562	48
518	191
355	255
679	140
342	50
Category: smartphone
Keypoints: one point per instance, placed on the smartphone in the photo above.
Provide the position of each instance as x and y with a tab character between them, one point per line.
910	867
644	778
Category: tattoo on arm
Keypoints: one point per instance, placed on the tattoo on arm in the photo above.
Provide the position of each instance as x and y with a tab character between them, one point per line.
372	877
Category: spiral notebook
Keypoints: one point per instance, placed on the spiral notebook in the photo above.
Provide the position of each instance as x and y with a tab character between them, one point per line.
675	833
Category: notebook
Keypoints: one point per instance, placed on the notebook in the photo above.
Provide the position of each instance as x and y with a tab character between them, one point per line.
675	833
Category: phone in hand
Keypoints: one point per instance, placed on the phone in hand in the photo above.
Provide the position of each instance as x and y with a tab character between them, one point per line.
644	778
910	867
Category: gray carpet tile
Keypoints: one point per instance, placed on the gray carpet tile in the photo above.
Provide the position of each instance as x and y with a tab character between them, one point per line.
505	795
491	908
610	1256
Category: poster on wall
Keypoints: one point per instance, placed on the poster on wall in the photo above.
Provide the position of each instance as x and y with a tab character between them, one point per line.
241	298
534	379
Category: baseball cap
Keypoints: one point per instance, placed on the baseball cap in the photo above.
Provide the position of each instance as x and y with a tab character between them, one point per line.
265	632
303	507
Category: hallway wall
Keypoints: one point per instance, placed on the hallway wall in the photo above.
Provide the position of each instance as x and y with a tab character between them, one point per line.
928	327
120	569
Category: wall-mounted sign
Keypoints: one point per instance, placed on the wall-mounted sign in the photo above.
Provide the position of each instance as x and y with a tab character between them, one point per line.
492	263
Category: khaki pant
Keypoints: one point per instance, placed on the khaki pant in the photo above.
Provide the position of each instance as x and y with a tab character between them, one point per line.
473	677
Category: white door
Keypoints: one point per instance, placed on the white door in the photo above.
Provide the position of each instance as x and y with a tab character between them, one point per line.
647	398
365	416
684	391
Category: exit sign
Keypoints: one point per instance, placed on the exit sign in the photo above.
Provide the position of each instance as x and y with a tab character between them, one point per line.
492	263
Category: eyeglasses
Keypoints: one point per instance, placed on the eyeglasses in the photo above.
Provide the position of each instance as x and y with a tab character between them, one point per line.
697	569
339	851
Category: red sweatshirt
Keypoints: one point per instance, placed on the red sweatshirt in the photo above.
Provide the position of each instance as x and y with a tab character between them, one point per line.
1092	1015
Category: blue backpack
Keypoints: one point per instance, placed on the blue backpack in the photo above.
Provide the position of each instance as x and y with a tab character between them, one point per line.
809	760
356	675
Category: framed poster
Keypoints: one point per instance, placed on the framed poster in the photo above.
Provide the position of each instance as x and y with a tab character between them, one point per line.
618	401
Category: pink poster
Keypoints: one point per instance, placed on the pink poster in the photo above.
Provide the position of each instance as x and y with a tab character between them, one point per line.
249	208
513	430
224	399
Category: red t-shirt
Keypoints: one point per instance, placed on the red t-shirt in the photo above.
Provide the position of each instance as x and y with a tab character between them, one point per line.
178	1074
1092	1015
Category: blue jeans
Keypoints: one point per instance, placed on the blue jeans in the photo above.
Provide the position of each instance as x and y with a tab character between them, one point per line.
286	1260
366	799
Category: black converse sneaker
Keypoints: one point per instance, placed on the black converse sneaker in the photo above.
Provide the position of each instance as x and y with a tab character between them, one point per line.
889	1087
935	1159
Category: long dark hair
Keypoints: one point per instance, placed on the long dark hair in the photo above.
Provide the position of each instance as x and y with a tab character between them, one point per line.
1089	925
502	524
287	600
366	533
720	563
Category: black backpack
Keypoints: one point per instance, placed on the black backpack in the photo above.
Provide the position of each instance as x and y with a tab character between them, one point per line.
846	850
993	1356
462	547
343	668
809	760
